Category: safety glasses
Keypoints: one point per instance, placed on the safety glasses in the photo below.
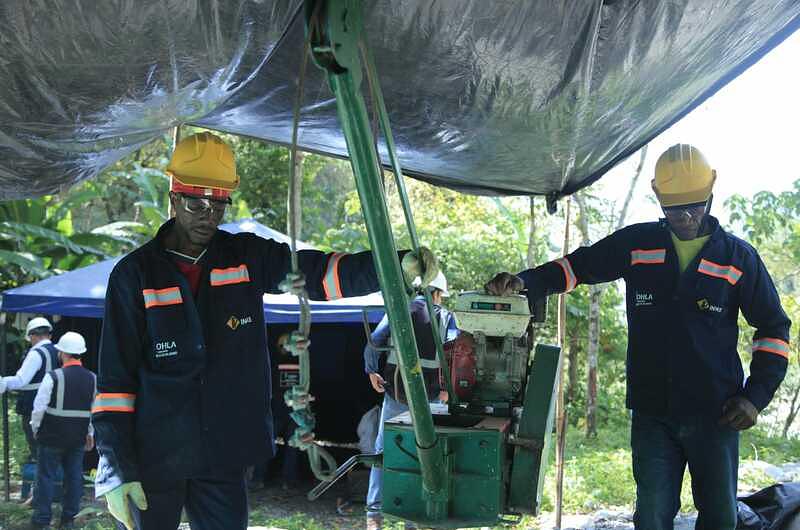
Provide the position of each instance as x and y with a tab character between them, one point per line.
203	205
689	212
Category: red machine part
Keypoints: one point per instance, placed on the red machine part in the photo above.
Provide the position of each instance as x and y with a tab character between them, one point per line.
460	355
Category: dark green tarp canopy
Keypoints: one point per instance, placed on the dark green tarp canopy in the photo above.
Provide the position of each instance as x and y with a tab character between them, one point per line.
492	97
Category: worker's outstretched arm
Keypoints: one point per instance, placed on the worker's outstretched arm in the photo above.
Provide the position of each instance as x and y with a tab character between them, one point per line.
334	275
605	261
31	365
118	382
380	338
372	356
761	306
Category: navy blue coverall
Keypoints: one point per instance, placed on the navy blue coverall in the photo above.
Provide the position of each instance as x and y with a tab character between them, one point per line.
682	361
183	402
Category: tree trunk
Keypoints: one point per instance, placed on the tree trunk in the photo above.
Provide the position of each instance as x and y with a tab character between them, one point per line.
624	213
793	410
572	384
591	356
293	209
593	346
176	138
531	259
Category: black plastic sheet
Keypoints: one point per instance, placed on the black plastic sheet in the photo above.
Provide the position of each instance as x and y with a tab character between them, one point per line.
500	97
774	508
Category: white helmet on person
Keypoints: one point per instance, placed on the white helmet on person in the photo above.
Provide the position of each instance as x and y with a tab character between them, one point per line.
440	282
72	343
38	326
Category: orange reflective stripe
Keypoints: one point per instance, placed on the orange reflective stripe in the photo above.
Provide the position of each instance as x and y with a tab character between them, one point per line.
112	409
570	281
229	276
331	285
727	272
648	257
771	345
158	297
114	402
116	395
288	367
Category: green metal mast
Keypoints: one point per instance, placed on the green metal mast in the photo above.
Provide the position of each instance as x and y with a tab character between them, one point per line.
335	28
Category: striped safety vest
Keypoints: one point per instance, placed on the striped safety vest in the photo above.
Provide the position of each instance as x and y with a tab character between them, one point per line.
66	420
49	356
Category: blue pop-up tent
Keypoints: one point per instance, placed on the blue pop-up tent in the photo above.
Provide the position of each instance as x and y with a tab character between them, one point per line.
81	293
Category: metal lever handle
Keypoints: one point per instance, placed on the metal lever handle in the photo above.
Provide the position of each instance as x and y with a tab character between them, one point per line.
322	487
365	320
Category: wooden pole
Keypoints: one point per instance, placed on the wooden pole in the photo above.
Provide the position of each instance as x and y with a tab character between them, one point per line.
561	413
176	138
6	445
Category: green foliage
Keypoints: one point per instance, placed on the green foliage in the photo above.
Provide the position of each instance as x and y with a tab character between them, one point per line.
297	521
474	237
264	172
771	222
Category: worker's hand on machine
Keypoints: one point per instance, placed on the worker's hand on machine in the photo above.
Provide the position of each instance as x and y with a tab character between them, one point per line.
119	500
377	383
738	413
504	284
424	266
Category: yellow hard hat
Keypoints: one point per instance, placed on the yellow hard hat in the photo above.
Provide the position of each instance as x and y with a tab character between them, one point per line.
203	165
683	176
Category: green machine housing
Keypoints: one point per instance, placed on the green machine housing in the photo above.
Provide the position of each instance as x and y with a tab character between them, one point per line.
496	439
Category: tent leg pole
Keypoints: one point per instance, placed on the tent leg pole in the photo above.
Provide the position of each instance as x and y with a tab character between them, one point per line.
6	449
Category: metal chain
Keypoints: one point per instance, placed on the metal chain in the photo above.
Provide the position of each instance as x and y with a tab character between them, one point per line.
298	397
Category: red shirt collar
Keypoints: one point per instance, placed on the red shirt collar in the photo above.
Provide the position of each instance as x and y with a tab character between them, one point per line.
72	362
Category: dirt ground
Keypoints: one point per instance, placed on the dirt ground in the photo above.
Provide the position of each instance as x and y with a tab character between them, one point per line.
276	501
281	507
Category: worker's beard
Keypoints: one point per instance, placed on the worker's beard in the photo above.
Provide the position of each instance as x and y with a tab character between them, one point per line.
688	230
688	222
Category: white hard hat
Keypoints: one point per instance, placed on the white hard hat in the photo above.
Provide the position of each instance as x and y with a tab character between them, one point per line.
440	282
36	323
72	343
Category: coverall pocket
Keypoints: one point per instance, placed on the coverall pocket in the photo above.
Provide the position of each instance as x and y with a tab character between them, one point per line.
166	332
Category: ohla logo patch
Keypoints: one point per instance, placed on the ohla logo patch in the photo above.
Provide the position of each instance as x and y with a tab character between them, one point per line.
234	323
167	348
704	305
644	299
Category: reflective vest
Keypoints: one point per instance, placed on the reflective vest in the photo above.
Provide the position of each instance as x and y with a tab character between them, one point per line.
426	348
66	420
49	356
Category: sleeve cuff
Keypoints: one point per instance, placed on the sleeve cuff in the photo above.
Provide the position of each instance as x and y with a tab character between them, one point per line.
105	479
757	396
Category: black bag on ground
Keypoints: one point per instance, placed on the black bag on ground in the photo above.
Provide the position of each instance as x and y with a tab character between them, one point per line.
774	508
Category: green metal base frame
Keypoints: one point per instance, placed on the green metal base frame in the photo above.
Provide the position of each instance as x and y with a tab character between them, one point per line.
491	471
476	474
532	442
